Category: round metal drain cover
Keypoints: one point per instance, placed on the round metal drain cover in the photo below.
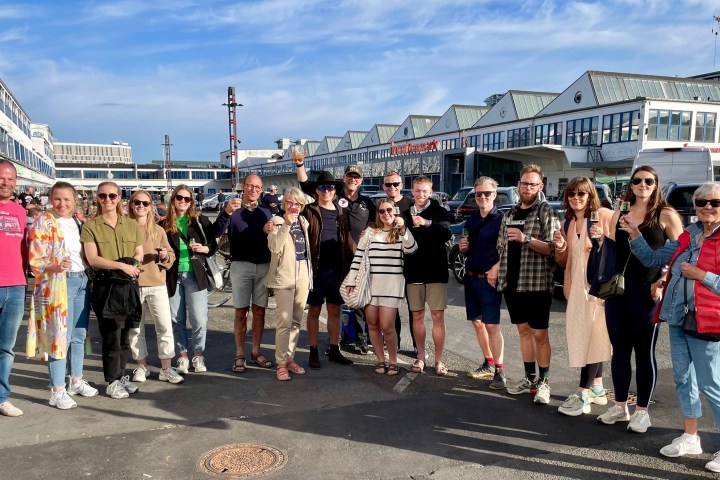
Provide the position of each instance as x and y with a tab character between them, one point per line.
242	460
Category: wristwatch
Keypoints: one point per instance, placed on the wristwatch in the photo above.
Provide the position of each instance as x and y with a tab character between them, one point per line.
528	239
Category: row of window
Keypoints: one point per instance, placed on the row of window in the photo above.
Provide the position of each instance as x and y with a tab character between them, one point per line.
675	125
16	151
143	175
13	111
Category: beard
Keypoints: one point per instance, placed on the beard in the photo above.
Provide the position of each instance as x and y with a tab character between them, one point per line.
528	198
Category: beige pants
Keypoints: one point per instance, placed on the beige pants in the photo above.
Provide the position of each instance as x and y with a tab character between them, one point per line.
290	305
155	308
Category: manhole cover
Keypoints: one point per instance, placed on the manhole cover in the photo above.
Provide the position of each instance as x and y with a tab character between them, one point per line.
242	460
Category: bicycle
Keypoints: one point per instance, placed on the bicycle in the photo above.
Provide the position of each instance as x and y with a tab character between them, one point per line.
218	298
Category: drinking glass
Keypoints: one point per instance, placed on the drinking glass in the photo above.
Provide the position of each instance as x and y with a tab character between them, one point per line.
190	244
594	219
158	250
624	208
298	153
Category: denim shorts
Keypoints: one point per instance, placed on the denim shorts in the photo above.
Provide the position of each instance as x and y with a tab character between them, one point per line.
482	301
326	287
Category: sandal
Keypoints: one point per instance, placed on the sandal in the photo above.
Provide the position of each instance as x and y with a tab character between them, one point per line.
239	367
295	367
260	360
282	373
393	369
418	366
380	368
440	369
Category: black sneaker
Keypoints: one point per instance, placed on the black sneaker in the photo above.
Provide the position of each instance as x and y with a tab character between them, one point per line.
499	382
362	346
484	371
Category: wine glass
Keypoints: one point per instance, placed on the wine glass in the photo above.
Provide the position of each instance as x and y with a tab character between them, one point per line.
158	250
298	153
190	244
625	207
594	219
413	210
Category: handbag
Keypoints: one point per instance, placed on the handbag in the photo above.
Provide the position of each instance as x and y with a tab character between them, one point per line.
689	323
212	270
615	287
361	294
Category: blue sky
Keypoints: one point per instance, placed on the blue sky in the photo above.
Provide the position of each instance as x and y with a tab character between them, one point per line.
136	70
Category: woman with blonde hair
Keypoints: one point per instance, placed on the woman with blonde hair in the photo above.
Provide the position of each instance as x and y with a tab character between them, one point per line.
60	308
290	276
386	244
192	238
158	257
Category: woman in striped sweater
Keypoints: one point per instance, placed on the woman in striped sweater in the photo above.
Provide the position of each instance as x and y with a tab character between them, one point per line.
386	244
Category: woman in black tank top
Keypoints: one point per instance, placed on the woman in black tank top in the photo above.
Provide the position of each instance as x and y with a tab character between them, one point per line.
630	317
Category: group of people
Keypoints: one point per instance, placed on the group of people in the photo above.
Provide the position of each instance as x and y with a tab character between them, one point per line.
133	269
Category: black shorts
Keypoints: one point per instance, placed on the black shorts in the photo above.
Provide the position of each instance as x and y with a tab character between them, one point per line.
532	308
326	287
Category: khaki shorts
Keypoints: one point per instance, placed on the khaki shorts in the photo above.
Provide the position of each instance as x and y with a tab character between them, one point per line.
248	284
434	294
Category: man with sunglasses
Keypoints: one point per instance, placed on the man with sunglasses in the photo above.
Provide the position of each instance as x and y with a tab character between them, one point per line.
331	251
523	274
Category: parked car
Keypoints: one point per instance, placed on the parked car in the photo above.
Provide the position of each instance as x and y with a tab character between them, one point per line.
405	191
441	197
506	198
679	196
369	189
604	195
228	197
210	203
458	199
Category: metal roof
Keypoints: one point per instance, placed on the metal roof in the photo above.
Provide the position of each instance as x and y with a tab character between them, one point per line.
467	115
385	132
618	87
528	104
421	124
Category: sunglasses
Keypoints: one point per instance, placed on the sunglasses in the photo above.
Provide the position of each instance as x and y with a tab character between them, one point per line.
389	211
105	196
392	184
577	194
326	188
144	203
702	202
484	194
183	198
648	181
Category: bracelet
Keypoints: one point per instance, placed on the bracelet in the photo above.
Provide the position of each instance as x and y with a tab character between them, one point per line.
300	165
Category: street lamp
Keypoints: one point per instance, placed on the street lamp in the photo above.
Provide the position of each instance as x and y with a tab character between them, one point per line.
232	125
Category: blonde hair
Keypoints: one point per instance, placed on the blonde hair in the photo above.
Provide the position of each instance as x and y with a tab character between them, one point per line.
297	194
393	235
150	228
172	214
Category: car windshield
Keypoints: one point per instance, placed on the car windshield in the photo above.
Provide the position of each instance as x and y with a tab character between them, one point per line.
461	194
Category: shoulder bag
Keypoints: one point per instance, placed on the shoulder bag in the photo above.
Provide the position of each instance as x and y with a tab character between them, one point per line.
214	275
615	287
689	323
361	294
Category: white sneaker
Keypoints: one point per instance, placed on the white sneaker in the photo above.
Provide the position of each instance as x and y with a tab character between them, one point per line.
542	396
62	400
81	388
117	390
598	397
9	410
170	375
639	422
575	405
141	373
714	464
128	385
182	365
685	444
614	414
199	364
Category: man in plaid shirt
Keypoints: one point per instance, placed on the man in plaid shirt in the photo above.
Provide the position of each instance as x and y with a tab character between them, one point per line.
525	278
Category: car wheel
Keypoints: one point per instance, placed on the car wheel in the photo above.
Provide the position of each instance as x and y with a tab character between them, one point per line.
457	263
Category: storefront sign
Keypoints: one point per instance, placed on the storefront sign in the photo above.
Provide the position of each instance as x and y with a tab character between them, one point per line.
413	148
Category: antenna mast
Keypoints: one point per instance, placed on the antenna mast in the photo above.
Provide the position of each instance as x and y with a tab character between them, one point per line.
715	32
232	124
168	164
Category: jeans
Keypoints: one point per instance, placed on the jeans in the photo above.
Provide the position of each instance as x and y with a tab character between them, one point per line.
189	301
78	318
696	368
12	309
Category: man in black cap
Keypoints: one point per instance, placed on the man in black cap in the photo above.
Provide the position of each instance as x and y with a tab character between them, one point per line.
331	251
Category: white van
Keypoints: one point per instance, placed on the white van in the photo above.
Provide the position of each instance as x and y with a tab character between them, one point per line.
679	165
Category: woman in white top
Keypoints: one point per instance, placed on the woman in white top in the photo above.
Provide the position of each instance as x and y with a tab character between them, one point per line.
386	245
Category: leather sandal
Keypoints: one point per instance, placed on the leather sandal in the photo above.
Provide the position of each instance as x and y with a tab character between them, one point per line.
239	367
380	368
282	373
440	369
393	369
260	360
418	366
295	367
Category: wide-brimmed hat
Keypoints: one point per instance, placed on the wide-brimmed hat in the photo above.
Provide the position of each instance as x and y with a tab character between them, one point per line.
326	178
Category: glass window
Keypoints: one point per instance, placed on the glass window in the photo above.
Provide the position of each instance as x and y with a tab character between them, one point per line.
548	134
620	127
705	127
669	125
581	132
519	137
493	141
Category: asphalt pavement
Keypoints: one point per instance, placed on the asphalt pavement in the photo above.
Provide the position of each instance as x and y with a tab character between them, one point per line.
337	422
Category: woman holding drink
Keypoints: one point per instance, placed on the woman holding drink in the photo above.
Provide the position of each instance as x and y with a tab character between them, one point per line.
290	276
386	244
629	316
587	335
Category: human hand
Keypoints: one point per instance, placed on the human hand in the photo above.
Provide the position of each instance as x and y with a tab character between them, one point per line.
596	230
131	270
515	235
656	290
628	224
418	221
692	272
199	248
558	240
162	254
492	275
463	245
399	222
269	226
232	205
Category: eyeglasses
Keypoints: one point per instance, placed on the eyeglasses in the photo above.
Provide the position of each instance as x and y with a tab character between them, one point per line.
702	202
253	187
648	181
389	211
577	194
183	198
484	194
529	184
293	204
144	203
392	184
105	196
326	188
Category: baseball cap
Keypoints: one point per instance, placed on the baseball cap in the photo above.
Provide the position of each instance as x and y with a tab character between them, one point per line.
353	169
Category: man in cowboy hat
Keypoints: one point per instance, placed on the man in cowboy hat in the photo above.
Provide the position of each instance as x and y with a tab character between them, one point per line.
331	251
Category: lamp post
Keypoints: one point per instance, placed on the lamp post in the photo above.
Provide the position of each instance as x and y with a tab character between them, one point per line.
232	125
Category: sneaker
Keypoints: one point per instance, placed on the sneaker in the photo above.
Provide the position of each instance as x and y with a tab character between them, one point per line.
482	372
183	364
523	386
199	364
499	382
141	373
542	396
363	347
639	422
62	400
128	385
9	410
170	375
81	388
598	397
117	390
714	464
614	414
575	405
685	444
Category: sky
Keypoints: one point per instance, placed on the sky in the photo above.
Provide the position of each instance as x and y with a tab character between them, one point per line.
138	70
